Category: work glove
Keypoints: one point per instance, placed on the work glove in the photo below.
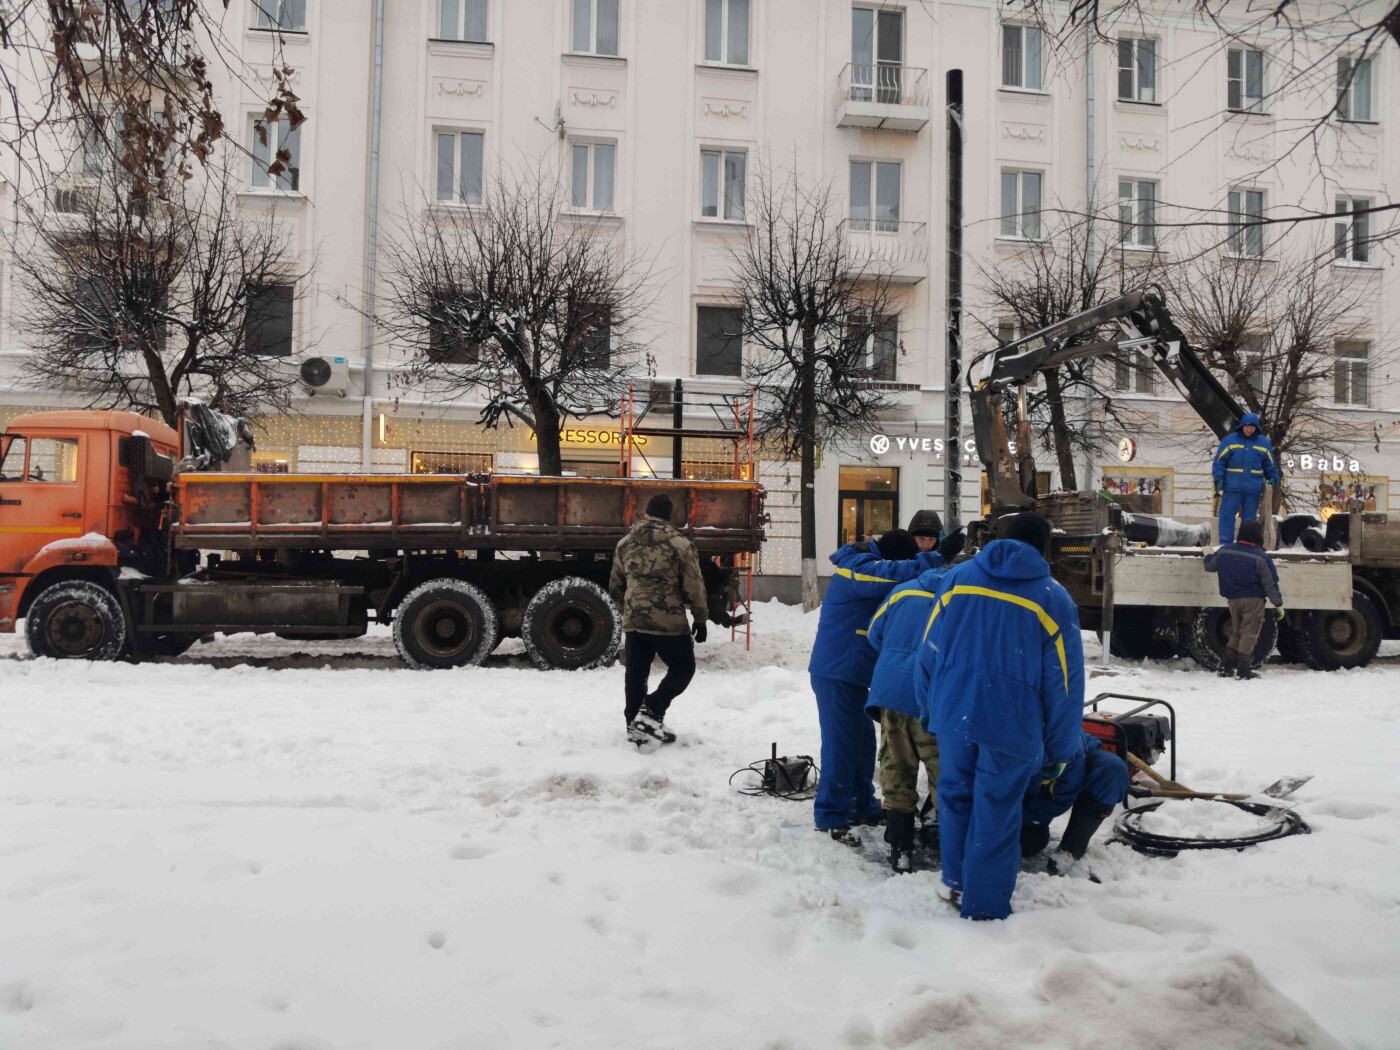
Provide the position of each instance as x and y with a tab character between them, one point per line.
951	545
1278	614
700	631
1049	773
1218	487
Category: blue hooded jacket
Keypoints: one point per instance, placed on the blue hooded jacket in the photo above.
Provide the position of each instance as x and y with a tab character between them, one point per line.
861	582
896	633
1002	663
1243	464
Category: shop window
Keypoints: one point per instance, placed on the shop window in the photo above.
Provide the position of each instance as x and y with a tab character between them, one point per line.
272	461
1139	492
1350	494
451	463
869	501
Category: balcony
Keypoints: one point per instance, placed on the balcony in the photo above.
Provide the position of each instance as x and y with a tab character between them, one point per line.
888	97
888	248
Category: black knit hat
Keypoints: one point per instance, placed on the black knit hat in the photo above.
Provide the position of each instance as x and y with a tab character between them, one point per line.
1029	527
659	506
897	545
1251	532
926	523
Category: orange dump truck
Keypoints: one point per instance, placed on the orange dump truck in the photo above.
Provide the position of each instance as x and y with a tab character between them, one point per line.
108	551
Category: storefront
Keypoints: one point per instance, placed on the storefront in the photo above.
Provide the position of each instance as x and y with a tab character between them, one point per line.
869	502
1148	490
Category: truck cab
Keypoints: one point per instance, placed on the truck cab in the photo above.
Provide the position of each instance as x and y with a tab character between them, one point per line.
74	499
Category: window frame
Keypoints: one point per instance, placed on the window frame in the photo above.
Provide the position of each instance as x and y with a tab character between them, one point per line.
463	12
870	363
291	322
695	359
722	197
873	221
590	181
1345	364
1253	106
1023	64
274	143
878	88
456	199
725	58
1133	371
594	7
259	12
1134	227
1345	233
1136	69
1239	237
1020	213
1344	106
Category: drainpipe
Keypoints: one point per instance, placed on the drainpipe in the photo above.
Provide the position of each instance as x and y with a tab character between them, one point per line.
372	241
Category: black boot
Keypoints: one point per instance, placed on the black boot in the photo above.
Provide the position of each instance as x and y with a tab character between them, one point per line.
1034	838
1084	819
1227	664
1245	670
899	833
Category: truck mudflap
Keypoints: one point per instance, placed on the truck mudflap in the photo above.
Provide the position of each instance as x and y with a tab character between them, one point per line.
1164	578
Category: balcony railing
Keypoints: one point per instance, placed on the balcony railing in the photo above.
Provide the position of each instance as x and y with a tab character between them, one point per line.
888	247
883	96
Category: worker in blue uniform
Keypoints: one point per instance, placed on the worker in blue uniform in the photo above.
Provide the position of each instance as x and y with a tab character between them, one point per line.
1093	782
1001	685
840	668
1243	462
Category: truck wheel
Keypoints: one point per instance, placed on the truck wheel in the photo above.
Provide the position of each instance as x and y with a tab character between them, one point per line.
1135	637
1290	643
444	623
76	620
571	625
166	645
1333	640
1207	639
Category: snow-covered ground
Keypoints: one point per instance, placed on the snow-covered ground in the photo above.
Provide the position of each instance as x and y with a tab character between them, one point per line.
287	846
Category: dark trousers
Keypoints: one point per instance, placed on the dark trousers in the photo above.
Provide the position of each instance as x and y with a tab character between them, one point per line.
677	652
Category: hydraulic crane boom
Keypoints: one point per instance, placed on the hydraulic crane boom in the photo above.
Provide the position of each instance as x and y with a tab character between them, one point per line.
1147	327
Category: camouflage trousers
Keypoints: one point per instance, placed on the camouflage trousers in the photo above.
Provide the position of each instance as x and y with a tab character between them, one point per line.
903	746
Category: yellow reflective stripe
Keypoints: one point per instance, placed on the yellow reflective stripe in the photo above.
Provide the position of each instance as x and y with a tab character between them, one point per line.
861	577
859	631
1064	663
895	597
1256	472
1260	448
43	530
1226	449
1046	620
1235	470
932	616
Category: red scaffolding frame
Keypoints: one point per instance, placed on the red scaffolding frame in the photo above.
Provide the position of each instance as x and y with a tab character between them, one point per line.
734	418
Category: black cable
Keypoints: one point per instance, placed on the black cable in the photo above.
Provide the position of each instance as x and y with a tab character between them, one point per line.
1129	829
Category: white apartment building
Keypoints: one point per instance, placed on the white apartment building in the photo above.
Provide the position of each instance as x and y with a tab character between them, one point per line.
658	113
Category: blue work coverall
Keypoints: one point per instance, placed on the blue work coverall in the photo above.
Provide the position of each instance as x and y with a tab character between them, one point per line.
1092	770
840	668
1242	465
1001	684
896	633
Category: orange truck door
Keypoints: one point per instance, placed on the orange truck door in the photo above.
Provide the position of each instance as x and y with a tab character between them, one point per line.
41	495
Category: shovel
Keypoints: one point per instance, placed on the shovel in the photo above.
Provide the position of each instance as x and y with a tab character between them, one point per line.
1281	788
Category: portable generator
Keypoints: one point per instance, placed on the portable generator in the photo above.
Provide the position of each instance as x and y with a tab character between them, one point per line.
1133	731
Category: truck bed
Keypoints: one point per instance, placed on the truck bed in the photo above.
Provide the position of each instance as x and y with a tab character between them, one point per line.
1158	576
218	511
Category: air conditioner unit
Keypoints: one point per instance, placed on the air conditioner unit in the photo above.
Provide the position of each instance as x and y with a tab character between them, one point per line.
325	376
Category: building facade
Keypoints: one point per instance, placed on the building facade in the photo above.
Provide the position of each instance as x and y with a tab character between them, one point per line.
660	113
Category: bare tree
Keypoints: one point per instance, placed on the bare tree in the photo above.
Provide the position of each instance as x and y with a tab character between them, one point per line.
135	302
1079	264
815	318
130	78
1280	331
518	300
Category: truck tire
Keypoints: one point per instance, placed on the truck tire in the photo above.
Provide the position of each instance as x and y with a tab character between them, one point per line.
1334	640
1206	640
1135	637
1290	643
444	623
76	620
161	645
571	625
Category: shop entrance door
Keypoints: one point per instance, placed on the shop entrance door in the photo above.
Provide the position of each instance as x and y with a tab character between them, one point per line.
869	502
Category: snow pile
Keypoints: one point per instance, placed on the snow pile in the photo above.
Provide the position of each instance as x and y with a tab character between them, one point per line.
1196	818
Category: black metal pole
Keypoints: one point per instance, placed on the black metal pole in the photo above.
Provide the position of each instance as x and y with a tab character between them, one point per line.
952	408
677	421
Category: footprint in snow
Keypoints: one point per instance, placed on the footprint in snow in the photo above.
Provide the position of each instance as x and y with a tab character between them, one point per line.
470	852
437	939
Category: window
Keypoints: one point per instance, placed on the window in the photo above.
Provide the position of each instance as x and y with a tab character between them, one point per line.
1006	332
877	55
451	462
722	171
462	20
1354	88
1134	373
459	159
1021	50
1352	236
869	502
875	196
1020	204
448	344
1137	212
591	176
13	449
288	15
276	155
882	350
113	314
50	459
1246	206
595	26
1351	379
596	345
1253	352
1137	69
719	341
1244	80
727	32
267	326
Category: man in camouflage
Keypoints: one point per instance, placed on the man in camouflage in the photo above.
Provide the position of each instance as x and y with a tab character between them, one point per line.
655	578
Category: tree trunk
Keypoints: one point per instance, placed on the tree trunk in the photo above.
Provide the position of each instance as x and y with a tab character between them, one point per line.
548	428
811	596
160	385
1059	428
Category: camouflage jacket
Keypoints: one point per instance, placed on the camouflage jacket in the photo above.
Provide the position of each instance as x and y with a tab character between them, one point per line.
655	577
